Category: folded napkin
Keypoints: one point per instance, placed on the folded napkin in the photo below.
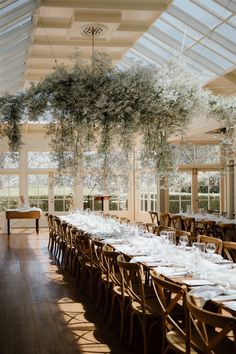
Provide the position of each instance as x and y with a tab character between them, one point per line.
207	292
197	282
172	271
145	259
231	305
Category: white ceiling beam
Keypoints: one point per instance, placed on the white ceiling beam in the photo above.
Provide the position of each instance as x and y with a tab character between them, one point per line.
137	5
124	27
231	77
45	57
120	43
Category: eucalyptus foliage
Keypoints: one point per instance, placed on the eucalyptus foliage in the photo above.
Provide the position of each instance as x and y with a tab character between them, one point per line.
95	106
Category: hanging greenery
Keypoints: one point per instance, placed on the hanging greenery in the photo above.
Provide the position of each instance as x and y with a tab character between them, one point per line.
95	106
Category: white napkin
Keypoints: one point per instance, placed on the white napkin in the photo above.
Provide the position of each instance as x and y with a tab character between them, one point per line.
171	271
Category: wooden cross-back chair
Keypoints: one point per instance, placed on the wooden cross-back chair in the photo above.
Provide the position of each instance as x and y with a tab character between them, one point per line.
229	250
118	293
164	219
171	299
210	239
154	217
142	304
212	333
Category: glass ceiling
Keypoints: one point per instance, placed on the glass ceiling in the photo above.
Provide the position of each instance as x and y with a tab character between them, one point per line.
15	29
204	31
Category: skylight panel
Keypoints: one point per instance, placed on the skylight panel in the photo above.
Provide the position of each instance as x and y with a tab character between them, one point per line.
219	49
213	57
206	73
142	57
155	49
173	32
232	21
12	6
16	26
181	26
227	31
220	11
160	43
197	12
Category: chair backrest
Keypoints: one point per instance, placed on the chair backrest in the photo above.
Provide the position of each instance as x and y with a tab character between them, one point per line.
179	233
229	250
97	257
164	219
124	220
115	217
132	279
154	217
210	239
176	221
150	227
51	224
170	296
189	224
158	229
226	231
209	227
83	246
110	258
211	329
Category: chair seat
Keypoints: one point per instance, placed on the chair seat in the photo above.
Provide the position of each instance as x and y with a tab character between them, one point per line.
152	307
117	289
177	342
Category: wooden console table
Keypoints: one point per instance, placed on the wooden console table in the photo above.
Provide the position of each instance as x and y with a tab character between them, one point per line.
14	214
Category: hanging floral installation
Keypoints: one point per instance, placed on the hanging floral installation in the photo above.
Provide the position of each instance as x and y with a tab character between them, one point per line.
97	107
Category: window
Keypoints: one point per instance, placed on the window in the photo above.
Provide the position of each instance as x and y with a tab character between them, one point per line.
63	193
148	192
7	161
209	191
118	190
38	191
40	160
93	187
180	192
9	192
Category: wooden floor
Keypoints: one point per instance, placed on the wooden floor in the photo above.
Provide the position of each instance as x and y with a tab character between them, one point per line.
41	312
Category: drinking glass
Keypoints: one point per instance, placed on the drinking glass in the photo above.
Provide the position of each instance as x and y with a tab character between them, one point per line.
163	236
199	246
183	241
210	247
171	237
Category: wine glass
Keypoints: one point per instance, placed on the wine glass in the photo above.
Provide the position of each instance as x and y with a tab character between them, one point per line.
183	241
210	247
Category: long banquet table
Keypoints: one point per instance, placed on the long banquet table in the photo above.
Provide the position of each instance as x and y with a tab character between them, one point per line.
209	275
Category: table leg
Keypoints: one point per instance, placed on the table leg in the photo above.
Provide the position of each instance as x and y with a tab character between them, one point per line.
37	226
8	227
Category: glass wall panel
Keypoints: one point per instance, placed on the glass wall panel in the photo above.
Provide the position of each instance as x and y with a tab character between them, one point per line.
93	188
41	160
118	190
63	193
209	191
9	192
7	161
148	192
38	191
180	192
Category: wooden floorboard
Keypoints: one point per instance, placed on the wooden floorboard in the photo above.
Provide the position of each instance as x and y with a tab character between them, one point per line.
41	312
